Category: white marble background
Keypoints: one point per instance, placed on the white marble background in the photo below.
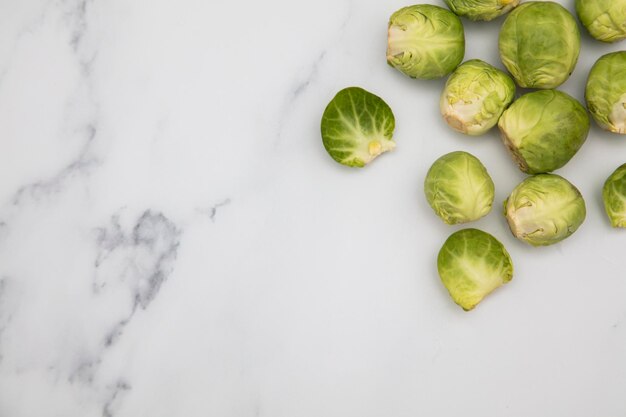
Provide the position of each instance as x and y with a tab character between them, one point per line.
174	240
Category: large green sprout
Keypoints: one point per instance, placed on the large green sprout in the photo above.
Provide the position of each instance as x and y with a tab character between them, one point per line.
481	9
606	92
357	126
544	209
459	188
425	41
604	19
543	130
614	196
539	44
471	264
475	96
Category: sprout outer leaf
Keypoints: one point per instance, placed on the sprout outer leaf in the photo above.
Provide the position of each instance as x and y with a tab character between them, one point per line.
481	9
604	19
471	264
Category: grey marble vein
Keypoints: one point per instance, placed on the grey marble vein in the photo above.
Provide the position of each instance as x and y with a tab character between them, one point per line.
134	259
75	18
145	256
114	399
296	92
211	212
84	372
303	83
80	166
141	259
78	14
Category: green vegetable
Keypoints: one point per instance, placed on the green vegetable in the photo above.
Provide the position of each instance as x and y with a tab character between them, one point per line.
425	41
357	126
544	209
614	196
471	265
604	19
539	44
481	9
543	130
459	188
475	96
606	92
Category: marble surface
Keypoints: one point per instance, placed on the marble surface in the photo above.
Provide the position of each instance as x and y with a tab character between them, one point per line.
174	240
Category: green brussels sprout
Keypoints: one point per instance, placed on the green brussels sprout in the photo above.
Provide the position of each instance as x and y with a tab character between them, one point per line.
459	188
544	209
471	264
604	19
481	9
543	130
539	44
425	41
357	126
614	196
606	92
475	96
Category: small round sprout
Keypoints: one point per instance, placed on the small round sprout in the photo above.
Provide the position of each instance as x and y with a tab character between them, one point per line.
471	264
539	44
357	126
614	196
481	9
544	209
543	130
604	19
475	96
425	41
606	92
459	188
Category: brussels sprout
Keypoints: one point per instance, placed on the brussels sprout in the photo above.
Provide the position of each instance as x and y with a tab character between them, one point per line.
544	209
357	126
543	130
472	264
614	196
459	188
475	96
604	19
425	41
606	92
539	44
481	9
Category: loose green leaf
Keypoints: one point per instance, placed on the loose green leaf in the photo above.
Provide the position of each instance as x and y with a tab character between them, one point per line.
357	126
471	264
